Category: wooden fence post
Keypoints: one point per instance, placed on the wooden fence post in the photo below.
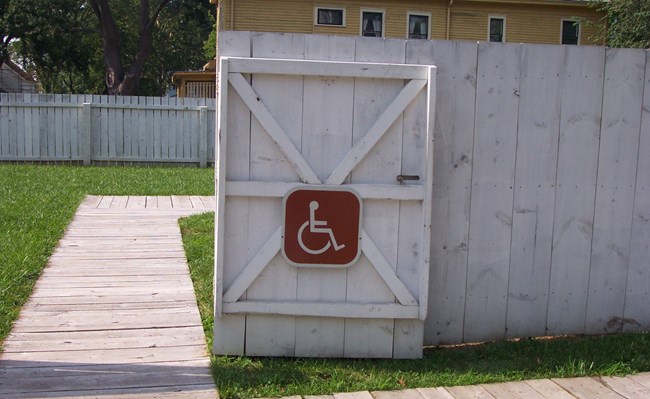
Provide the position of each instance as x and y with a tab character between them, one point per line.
87	148
203	136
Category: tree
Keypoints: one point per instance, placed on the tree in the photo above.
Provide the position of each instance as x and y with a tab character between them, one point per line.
87	46
626	22
120	80
7	30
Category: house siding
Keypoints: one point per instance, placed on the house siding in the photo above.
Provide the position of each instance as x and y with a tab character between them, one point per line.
525	22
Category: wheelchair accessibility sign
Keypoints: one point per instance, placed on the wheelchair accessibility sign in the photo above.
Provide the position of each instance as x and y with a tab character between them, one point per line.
322	227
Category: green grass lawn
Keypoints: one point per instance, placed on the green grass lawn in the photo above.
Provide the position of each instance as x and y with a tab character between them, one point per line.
37	203
243	377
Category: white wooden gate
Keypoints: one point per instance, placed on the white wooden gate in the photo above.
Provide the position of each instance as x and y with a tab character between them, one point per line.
286	124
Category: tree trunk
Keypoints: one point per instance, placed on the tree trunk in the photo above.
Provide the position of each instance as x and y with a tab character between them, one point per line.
119	81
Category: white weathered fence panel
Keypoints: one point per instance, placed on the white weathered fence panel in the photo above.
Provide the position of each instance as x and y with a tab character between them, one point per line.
581	78
637	311
534	190
495	138
123	129
343	130
617	167
454	137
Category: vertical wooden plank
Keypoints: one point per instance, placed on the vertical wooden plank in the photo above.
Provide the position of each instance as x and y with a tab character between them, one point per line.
534	192
273	335
67	130
128	130
112	130
374	337
144	151
19	130
4	125
230	330
322	149
581	82
495	137
158	129
13	127
456	64
27	126
87	134
638	280
104	129
619	141
118	125
203	136
151	130
75	127
53	131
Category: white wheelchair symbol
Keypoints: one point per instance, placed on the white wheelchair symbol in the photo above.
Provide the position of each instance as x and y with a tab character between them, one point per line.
317	227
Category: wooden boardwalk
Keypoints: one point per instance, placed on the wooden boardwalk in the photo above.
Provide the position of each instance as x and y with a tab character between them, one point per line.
114	314
630	387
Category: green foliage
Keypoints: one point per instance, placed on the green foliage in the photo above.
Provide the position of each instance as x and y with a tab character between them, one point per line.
245	377
210	45
37	203
626	24
63	44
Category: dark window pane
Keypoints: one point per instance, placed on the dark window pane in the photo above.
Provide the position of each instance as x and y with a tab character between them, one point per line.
418	26
496	29
372	24
570	32
328	16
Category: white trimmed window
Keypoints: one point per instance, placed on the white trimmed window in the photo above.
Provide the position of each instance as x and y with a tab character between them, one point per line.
497	29
372	23
570	32
418	25
329	16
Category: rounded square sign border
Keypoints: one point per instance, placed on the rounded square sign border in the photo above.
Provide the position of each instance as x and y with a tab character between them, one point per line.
321	188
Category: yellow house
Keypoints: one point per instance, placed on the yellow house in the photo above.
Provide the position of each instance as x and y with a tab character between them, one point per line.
528	21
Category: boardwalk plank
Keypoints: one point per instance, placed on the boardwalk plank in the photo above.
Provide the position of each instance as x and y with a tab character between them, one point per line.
549	389
626	387
435	393
470	392
586	388
512	390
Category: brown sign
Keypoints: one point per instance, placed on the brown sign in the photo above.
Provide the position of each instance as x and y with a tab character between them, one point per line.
322	227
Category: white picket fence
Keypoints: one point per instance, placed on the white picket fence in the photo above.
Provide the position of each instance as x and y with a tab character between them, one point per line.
90	129
541	197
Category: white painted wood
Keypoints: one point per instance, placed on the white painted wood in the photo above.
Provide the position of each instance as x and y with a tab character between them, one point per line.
386	271
273	335
495	137
322	309
581	104
376	131
638	280
381	164
534	192
456	88
254	268
619	146
324	142
269	123
368	191
328	68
